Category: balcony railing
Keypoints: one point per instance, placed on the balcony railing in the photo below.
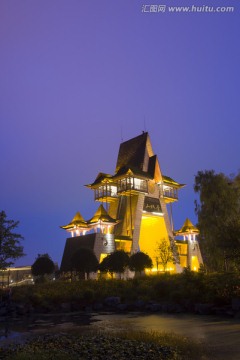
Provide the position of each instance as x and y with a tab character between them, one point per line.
104	194
132	187
170	193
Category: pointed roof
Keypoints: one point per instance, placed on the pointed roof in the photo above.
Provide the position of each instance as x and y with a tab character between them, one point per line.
135	158
132	152
77	222
187	228
101	215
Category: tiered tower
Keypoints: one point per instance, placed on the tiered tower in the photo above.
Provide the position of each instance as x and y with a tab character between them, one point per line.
138	195
188	248
136	198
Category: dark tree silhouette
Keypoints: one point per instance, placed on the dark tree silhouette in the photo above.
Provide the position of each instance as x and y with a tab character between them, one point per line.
117	262
10	248
84	261
104	265
218	211
43	265
140	261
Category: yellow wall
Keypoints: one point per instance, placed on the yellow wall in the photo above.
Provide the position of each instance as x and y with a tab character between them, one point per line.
123	245
194	263
152	231
102	256
182	251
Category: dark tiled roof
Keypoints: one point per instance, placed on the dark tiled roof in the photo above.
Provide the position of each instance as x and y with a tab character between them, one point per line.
131	152
99	179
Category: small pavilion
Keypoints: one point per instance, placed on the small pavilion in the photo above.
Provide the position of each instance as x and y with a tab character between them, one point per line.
188	248
78	226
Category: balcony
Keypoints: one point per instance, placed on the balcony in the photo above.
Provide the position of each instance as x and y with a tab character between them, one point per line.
170	193
132	185
105	194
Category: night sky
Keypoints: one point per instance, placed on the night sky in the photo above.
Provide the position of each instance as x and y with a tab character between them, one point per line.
78	77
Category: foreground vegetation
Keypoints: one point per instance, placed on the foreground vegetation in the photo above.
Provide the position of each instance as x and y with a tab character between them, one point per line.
119	346
188	287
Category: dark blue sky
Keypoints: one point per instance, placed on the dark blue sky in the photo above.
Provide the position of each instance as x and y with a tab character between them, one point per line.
78	76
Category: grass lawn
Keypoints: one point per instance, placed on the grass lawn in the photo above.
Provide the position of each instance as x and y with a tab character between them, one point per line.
132	345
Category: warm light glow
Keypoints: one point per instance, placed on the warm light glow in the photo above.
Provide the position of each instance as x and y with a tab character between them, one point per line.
194	263
123	245
102	256
152	231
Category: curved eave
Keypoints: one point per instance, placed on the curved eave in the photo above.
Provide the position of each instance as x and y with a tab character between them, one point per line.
100	183
169	199
106	199
174	184
170	182
89	185
102	178
103	222
187	232
94	185
74	226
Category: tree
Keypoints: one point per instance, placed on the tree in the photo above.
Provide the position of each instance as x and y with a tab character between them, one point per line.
105	265
84	261
218	211
43	265
116	262
10	248
166	252
139	262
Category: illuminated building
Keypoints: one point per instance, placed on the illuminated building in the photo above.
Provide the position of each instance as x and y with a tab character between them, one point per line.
14	276
78	226
188	248
136	198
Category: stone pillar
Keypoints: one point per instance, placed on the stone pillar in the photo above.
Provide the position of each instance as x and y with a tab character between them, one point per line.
137	223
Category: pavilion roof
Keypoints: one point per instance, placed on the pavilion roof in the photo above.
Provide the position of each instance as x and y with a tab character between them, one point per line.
77	222
187	228
169	181
101	215
100	179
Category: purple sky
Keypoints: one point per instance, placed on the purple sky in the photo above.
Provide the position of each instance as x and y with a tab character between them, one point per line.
78	76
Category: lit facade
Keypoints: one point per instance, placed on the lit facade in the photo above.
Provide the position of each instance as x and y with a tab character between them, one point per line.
13	276
135	216
188	247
